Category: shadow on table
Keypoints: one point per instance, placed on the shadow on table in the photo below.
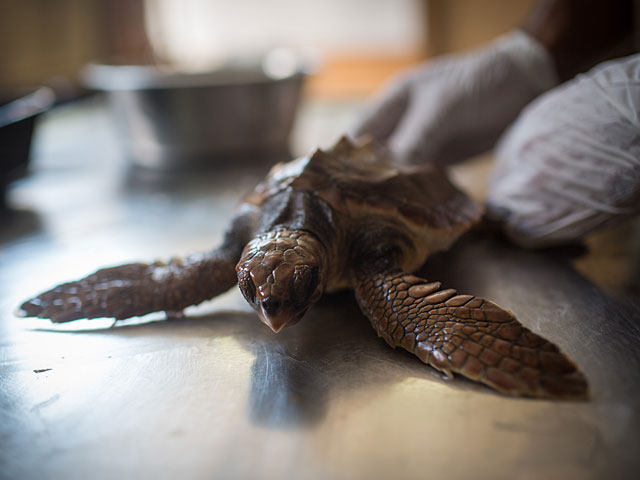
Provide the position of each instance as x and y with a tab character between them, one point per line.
297	373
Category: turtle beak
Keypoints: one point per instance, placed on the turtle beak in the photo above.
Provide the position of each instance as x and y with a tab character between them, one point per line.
274	316
274	323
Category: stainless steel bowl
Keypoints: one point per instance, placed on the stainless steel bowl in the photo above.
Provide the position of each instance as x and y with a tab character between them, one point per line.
169	120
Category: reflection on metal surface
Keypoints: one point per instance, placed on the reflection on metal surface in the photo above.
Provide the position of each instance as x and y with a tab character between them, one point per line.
285	391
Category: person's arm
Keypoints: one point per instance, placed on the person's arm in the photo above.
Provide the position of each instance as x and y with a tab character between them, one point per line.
582	33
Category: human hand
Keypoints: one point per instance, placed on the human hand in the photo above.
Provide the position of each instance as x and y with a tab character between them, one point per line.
571	162
458	105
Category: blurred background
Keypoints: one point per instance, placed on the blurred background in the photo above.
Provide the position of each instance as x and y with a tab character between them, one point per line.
361	42
243	79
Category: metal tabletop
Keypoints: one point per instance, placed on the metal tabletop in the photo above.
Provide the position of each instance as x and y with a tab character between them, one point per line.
218	395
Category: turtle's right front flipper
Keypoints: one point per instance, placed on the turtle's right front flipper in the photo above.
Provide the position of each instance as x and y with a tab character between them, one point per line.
467	335
134	290
137	289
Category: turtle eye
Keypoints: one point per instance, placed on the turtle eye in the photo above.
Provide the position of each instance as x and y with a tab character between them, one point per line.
305	281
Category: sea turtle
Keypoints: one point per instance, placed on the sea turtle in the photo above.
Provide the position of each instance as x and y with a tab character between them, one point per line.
344	218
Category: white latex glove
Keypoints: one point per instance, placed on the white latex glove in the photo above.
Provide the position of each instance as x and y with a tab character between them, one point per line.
458	105
571	162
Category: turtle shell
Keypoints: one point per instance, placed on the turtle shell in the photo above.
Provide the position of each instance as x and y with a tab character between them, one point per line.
361	179
365	189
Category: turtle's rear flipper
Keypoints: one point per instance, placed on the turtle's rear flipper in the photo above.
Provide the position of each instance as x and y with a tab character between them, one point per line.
466	335
135	289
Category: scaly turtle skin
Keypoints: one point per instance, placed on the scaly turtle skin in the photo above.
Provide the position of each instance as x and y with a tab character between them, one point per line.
346	218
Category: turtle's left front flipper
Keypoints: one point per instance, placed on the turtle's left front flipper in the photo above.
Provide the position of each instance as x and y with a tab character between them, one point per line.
466	335
139	288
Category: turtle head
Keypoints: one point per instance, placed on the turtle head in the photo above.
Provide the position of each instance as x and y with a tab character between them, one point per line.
281	274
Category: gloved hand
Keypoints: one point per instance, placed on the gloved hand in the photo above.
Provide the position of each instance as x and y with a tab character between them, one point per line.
457	106
571	162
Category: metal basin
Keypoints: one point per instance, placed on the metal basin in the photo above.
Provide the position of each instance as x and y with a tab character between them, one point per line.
175	120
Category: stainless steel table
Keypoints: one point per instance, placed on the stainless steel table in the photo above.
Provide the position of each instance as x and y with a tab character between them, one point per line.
217	395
